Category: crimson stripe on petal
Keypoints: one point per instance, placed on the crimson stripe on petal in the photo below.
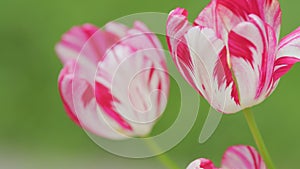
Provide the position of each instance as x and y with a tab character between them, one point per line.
241	8
268	55
106	100
241	47
257	161
224	75
201	163
283	65
207	164
183	54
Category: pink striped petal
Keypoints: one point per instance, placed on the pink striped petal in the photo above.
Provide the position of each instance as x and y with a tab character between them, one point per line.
140	33
87	41
272	15
132	84
201	163
252	61
283	65
209	71
177	27
288	54
80	105
209	18
65	81
223	15
117	29
223	75
242	157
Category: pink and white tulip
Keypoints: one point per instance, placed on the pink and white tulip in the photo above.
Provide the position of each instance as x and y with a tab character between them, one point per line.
231	54
235	157
114	82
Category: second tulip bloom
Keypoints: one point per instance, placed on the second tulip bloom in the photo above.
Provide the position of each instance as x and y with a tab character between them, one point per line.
231	54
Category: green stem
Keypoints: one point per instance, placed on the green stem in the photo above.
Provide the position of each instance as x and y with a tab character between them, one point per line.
163	158
258	139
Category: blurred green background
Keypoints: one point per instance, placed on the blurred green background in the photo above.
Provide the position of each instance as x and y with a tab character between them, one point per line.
35	131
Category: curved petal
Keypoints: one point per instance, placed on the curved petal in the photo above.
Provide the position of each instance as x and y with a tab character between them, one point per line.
223	15
177	27
252	62
132	87
210	71
242	157
288	54
272	15
65	81
201	163
117	29
88	41
209	18
80	105
140	33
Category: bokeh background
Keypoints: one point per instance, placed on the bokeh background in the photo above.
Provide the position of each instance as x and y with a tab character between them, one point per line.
35	131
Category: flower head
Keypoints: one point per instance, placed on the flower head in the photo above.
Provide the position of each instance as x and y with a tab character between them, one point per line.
231	54
114	82
235	157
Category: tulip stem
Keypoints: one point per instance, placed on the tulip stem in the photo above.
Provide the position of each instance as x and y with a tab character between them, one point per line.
258	138
163	158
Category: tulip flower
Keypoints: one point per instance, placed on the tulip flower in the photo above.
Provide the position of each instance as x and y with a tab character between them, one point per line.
235	157
231	54
114	82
